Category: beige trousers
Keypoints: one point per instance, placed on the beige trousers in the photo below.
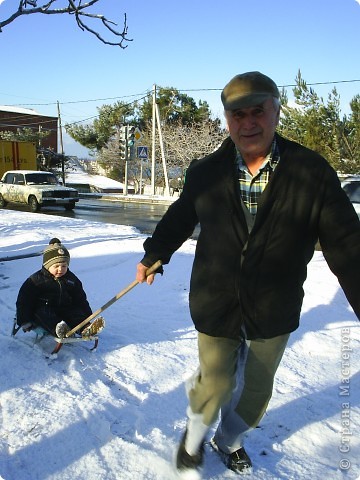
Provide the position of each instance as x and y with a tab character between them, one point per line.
234	379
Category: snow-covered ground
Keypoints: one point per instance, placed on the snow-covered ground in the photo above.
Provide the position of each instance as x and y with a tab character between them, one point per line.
97	181
118	412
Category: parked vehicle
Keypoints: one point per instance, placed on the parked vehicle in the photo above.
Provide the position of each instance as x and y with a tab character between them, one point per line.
17	156
36	189
352	190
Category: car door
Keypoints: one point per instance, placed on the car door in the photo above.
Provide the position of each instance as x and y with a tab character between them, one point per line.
8	187
19	188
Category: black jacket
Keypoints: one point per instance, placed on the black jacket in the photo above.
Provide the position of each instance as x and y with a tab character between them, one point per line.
63	296
261	285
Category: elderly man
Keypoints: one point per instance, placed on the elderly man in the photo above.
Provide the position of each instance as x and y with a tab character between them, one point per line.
262	203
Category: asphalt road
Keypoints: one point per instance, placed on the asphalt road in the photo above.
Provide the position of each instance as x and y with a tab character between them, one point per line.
142	216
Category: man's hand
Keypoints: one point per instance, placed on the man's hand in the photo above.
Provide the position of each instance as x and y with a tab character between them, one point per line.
141	274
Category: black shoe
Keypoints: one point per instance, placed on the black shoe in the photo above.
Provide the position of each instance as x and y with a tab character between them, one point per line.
238	461
185	462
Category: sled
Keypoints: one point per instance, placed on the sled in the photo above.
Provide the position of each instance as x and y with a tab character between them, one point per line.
89	333
98	325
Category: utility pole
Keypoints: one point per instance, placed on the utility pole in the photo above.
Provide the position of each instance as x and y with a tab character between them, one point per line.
153	141
61	145
167	190
156	121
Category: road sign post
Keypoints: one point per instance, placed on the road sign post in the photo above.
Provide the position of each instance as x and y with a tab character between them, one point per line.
142	153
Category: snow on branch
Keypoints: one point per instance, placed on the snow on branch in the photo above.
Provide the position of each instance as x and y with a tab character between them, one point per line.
81	13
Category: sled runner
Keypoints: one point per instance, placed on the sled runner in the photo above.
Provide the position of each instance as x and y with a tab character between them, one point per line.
90	333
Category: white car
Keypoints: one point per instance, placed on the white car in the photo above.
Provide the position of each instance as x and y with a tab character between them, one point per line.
36	189
352	190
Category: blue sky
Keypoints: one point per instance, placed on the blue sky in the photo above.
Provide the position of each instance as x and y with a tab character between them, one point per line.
194	46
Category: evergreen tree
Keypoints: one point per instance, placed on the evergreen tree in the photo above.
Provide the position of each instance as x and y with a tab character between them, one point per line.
25	134
319	126
352	138
174	108
95	136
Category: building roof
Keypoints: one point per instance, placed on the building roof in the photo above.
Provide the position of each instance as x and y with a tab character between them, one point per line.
24	111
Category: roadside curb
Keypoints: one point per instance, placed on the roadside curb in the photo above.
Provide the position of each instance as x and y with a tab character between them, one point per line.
128	199
19	257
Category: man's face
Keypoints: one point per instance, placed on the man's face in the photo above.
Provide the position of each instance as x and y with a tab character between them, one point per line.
252	129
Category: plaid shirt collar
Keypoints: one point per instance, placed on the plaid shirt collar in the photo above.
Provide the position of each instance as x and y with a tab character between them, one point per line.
252	186
271	160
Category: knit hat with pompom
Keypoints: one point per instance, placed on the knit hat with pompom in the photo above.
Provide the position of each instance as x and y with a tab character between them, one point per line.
55	253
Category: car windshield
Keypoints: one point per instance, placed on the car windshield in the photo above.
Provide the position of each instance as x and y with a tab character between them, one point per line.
41	178
353	191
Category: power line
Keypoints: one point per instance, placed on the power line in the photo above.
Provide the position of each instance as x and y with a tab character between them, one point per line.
77	101
95	116
38	121
147	93
321	83
279	86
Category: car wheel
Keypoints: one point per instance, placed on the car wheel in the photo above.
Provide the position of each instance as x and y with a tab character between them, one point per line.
70	206
33	204
3	203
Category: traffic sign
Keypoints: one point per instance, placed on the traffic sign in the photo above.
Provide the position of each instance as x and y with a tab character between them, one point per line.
142	152
138	134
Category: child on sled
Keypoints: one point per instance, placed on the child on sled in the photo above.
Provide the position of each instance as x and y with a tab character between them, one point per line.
53	297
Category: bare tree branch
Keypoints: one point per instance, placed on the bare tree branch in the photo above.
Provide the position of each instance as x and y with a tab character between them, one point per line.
81	13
